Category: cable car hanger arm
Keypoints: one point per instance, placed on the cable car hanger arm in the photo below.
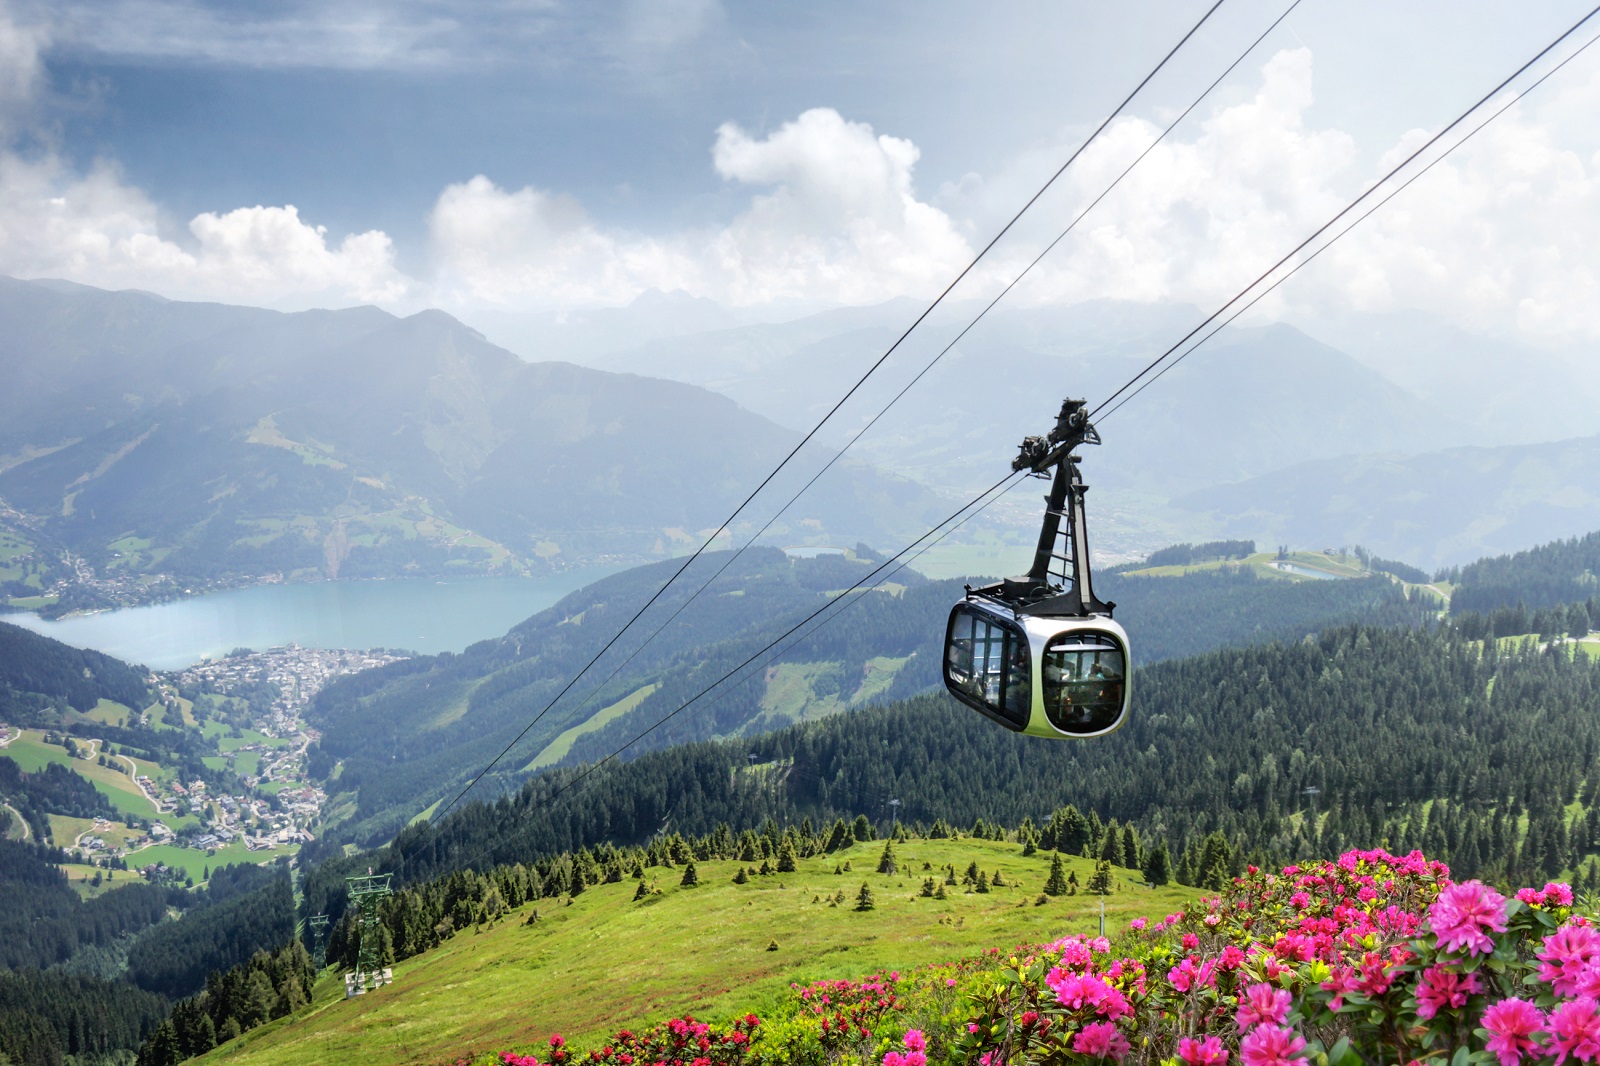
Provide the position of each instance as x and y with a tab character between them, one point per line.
1059	583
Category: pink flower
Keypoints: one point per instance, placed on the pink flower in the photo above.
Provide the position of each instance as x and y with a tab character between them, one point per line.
1271	1045
1463	913
1341	982
1137	925
1442	989
1566	955
1207	1052
1190	941
1232	957
1101	1040
915	1040
1558	894
1075	953
949	982
1262	1004
1077	991
1575	1030
1511	1024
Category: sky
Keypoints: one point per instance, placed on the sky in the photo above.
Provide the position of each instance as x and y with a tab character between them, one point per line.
536	155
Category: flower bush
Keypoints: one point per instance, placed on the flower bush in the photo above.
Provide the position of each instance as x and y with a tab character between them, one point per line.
1370	958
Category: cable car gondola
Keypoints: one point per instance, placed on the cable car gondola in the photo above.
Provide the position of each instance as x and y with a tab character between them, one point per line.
1040	654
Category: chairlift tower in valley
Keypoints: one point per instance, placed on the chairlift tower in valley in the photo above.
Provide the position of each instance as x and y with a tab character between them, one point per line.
366	892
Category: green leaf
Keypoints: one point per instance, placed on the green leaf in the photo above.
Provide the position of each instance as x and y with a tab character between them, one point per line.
1462	1056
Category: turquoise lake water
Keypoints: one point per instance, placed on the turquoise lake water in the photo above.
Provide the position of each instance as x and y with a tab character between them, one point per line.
417	614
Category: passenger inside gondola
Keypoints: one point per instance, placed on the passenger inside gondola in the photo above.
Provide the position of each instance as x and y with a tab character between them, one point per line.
1083	683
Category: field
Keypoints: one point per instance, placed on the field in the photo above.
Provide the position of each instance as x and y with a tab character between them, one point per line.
604	962
558	748
32	753
194	863
1264	564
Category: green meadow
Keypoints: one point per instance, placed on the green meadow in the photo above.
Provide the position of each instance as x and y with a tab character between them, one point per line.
601	961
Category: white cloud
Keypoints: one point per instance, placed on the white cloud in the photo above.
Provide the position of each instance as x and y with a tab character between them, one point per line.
1504	235
839	222
92	227
95	229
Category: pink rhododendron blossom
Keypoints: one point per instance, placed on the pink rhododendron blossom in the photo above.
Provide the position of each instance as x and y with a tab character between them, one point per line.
1512	1025
1080	991
1575	1030
1262	1004
1464	915
1137	925
1341	983
1557	894
1207	1052
1271	1045
1442	989
1567	954
1101	1040
1190	941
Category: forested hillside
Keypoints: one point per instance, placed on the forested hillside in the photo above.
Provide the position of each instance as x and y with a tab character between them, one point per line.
410	733
1416	736
39	675
1566	571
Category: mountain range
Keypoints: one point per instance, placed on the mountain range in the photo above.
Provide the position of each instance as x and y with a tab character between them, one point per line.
1271	431
207	441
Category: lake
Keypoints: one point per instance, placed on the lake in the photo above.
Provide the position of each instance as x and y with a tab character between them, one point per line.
417	614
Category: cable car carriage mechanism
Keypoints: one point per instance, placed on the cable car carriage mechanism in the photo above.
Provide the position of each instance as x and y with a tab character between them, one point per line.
1040	654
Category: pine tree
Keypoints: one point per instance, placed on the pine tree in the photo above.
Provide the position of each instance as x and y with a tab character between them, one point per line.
864	901
1101	881
786	858
862	830
940	893
1132	853
838	837
886	861
928	887
1158	866
1056	884
1111	845
741	878
691	876
997	881
983	882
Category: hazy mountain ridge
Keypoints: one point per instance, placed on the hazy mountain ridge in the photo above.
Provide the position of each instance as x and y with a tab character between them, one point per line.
149	435
1433	509
1211	448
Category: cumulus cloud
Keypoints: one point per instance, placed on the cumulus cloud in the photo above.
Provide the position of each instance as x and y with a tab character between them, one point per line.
838	221
1502	235
92	227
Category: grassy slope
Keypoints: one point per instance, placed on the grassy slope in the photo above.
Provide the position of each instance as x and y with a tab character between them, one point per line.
32	753
605	962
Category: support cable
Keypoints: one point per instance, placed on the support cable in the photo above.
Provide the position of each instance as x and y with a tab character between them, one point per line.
599	687
1351	206
727	522
1362	218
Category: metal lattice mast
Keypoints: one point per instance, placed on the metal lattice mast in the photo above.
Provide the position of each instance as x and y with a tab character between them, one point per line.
366	892
319	939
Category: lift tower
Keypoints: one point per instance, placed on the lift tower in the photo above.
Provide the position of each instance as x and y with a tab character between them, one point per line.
366	892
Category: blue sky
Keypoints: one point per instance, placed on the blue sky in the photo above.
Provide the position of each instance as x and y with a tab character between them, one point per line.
532	155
